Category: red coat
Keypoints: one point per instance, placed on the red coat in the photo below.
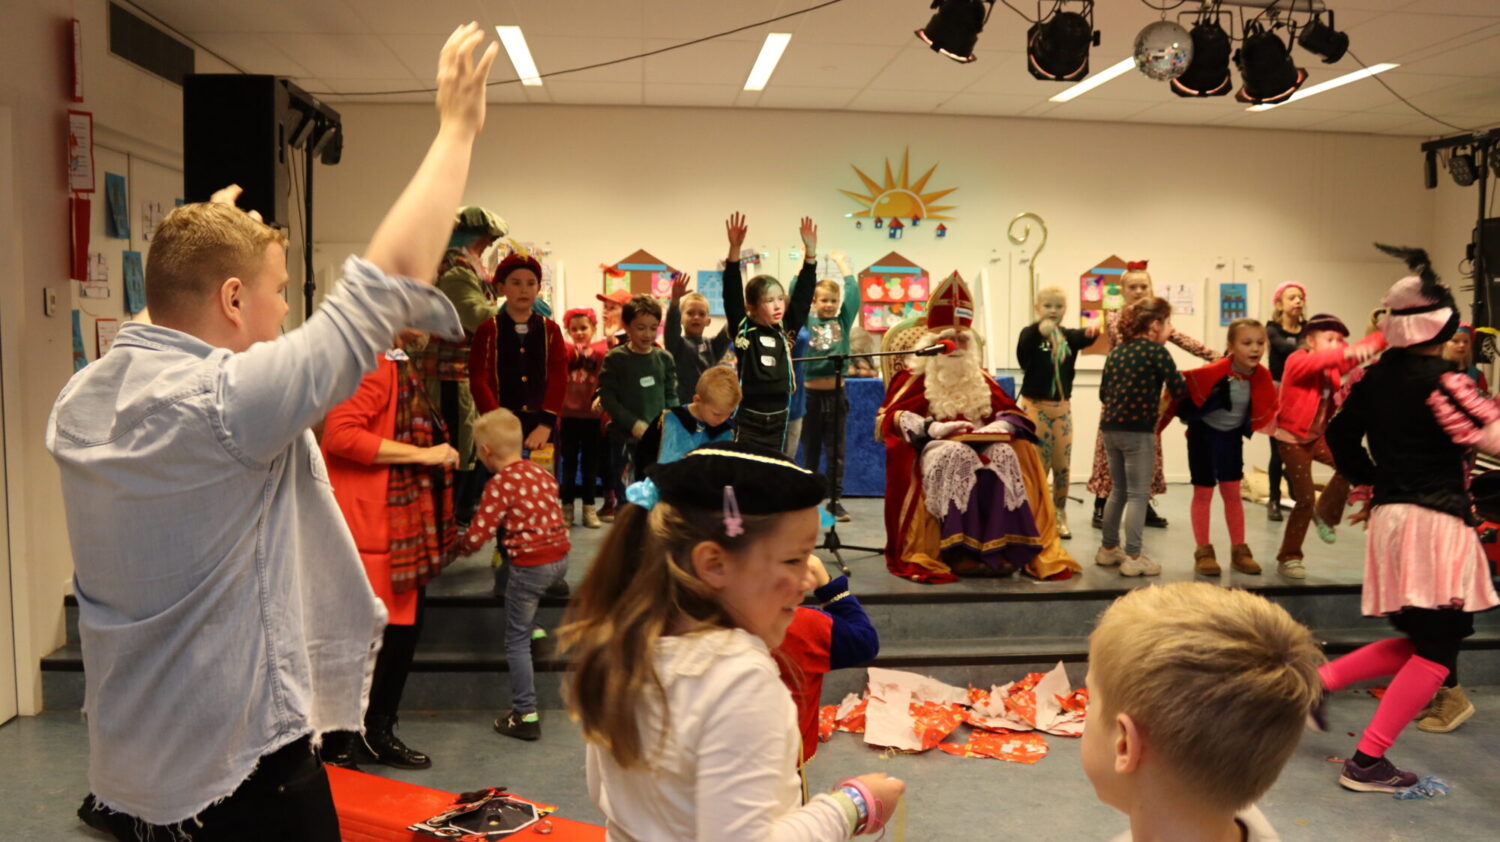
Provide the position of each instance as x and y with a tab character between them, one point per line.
485	367
1302	384
351	439
1202	380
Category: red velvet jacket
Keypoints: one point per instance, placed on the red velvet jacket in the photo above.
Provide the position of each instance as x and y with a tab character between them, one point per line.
542	368
1201	381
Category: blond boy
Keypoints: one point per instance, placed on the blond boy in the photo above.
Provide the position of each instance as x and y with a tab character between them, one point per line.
521	510
1198	695
709	418
685	339
226	620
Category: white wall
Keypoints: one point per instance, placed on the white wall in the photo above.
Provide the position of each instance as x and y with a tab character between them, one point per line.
598	183
135	112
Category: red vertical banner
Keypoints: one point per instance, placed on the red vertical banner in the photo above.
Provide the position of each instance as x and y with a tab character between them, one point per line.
81	227
77	37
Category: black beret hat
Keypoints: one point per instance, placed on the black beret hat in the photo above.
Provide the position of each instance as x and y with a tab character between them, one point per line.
765	482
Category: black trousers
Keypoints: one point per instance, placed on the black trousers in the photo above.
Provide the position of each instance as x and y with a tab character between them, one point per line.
397	649
579	440
1274	469
766	429
286	798
823	432
1437	633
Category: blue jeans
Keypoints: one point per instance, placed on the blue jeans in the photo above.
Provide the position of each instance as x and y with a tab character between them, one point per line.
523	590
1132	458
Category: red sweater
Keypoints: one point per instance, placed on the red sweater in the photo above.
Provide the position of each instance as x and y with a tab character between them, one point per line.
584	364
1303	380
520	505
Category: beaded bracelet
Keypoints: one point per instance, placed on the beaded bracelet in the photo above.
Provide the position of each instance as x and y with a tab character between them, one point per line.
861	807
873	806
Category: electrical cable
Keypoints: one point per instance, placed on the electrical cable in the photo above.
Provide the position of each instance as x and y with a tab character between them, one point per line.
598	65
1151	5
1404	100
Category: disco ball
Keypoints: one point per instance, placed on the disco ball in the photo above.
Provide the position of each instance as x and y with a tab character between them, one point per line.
1163	50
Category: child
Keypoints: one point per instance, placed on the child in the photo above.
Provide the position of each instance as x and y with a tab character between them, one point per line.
638	382
226	620
829	328
1424	567
687	319
763	338
1284	332
835	635
1135	286
1047	352
1308	384
689	732
708	419
520	510
614	331
579	435
796	406
1225	402
1460	352
1133	379
1197	698
519	359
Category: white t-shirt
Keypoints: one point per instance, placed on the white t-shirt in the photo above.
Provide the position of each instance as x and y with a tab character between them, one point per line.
727	768
1251	821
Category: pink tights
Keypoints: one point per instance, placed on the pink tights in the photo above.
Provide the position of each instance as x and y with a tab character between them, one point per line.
1415	681
1234	511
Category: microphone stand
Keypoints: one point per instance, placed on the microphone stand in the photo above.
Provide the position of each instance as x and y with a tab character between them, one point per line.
831	540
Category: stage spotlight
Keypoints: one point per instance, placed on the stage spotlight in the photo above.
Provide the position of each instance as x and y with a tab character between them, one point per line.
1266	68
1208	73
1321	39
955	29
1461	166
1057	49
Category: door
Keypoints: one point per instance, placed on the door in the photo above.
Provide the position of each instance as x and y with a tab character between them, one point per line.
8	698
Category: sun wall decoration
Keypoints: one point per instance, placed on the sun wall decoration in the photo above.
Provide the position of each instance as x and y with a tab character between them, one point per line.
897	199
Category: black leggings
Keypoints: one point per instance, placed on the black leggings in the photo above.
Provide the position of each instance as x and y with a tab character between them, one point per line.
579	440
1274	469
397	649
1437	634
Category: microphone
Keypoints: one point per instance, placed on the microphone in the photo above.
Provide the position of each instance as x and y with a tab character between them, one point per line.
942	347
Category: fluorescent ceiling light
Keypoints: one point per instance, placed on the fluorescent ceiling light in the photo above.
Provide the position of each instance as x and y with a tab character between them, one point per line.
765	63
1095	80
1336	82
520	54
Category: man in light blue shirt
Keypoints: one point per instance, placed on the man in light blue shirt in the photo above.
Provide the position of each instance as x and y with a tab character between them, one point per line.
225	617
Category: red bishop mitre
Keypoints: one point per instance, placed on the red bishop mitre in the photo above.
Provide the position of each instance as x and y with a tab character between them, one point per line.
951	305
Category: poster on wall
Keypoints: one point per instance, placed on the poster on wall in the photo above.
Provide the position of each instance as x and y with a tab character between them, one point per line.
643	273
711	286
79	358
1098	294
117	209
890	290
80	151
104	335
1181	297
135	283
1234	303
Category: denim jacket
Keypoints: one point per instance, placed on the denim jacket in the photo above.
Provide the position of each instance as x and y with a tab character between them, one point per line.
223	609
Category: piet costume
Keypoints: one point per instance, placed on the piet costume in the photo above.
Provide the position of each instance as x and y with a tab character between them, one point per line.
965	491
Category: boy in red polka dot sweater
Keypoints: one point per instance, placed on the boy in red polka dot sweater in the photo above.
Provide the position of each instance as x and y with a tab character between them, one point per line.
521	508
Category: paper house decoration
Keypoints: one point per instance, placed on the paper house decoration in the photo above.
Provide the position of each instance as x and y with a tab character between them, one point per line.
858	224
879	223
942	231
895	229
891	289
1099	293
645	274
916	220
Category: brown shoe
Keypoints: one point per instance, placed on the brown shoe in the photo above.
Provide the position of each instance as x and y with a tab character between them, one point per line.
1450	709
1204	562
1242	561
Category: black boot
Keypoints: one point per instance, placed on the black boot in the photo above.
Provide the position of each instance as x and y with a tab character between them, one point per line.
1098	520
1154	519
1273	511
338	749
383	746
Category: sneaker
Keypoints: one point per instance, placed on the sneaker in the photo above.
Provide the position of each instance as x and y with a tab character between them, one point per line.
1273	512
1205	563
590	517
538	634
1450	708
607	514
572	510
1109	556
1380	776
1241	560
1326	533
1140	565
837	510
1292	568
526	726
1153	519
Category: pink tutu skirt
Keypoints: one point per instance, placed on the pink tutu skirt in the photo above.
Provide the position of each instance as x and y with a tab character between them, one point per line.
1416	557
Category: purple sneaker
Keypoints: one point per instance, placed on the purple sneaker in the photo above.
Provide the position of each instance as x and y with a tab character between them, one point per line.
1381	776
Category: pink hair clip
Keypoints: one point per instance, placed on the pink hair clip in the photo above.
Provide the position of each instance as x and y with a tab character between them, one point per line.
734	525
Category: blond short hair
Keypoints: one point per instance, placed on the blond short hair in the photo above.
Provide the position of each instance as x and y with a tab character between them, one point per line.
829	286
693	298
719	386
500	431
196	249
1052	292
1207	673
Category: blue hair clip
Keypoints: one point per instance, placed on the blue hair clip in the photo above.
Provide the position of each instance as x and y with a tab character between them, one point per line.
643	494
825	518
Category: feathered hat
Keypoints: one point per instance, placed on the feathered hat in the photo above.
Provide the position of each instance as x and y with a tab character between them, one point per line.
1421	310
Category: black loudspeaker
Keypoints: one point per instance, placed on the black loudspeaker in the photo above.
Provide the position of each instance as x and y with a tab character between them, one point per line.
235	130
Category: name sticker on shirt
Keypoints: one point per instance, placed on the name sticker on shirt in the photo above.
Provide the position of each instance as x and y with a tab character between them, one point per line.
522	328
648	381
768	341
767	360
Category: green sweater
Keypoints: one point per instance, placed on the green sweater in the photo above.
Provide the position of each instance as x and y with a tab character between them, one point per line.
636	387
827	337
1130	389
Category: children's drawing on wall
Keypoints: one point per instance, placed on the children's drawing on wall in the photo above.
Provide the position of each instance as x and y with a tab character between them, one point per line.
1234	303
891	289
1181	297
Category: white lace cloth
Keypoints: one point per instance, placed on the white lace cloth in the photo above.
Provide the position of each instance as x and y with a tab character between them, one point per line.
950	469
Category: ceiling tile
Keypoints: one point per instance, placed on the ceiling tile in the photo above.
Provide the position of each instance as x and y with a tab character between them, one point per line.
251	51
553	54
987	104
1398	36
429	17
711	96
1371	122
577	18
868	22
419	55
785	96
871	99
812	63
682	20
917	68
1087	109
1478	57
595	93
342	56
711	63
